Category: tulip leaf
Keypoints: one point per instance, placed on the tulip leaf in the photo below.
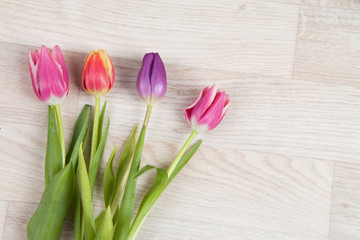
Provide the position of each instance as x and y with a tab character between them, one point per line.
148	201
98	220
184	160
127	204
144	170
49	217
109	180
101	121
86	136
105	230
85	191
53	158
77	206
94	164
82	120
123	168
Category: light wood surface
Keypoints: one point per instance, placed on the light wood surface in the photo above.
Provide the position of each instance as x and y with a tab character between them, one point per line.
283	165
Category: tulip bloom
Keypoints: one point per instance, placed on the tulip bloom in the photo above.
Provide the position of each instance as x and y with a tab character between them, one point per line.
151	81
208	109
49	75
97	76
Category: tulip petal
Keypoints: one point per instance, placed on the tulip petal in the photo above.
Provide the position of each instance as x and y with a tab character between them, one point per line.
143	84
49	76
109	67
188	110
158	78
59	58
212	116
205	102
33	69
88	58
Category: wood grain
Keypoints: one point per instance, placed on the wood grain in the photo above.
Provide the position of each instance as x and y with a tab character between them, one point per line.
345	219
247	36
339	4
3	215
328	46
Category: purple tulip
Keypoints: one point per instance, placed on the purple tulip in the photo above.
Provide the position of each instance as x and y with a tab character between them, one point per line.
49	75
151	81
208	109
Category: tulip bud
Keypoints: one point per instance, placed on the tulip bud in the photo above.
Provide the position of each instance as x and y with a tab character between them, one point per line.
208	109
49	75
151	81
97	76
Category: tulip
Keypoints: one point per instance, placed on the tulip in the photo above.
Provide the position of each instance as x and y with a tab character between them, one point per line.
97	76
208	109
49	75
151	81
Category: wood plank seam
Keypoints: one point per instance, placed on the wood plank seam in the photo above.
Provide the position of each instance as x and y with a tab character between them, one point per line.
296	41
332	194
6	215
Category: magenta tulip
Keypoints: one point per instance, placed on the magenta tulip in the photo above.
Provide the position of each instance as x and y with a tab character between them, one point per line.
151	81
49	75
208	109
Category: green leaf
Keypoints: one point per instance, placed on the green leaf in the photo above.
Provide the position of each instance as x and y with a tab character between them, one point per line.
148	201
105	231
101	121
86	136
88	212
109	180
127	204
53	159
94	165
99	219
82	120
77	207
49	217
144	170
82	137
184	160
123	168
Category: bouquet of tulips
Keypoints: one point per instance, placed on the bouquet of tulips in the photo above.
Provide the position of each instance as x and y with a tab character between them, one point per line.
68	180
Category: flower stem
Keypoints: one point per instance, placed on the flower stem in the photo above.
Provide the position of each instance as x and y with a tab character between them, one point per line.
60	131
147	116
181	153
95	129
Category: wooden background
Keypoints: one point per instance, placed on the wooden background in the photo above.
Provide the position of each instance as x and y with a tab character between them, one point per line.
284	163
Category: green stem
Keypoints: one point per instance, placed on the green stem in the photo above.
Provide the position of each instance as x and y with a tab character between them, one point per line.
95	129
181	153
60	131
147	116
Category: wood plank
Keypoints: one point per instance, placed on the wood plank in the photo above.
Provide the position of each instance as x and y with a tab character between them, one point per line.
345	217
3	215
22	161
20	213
239	189
311	119
328	46
246	36
345	4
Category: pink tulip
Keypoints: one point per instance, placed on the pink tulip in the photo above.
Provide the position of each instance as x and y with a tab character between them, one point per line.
208	109
49	75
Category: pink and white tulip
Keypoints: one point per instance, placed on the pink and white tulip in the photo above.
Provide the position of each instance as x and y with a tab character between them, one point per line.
49	75
208	109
